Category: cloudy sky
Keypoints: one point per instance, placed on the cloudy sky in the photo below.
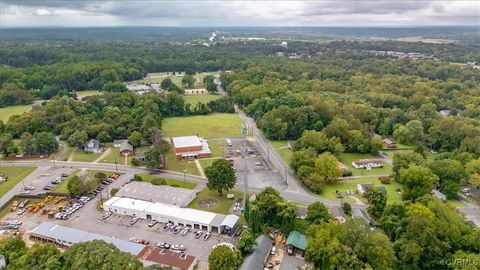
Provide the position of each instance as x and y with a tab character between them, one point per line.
34	13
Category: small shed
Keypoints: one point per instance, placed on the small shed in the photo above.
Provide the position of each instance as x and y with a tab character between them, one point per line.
296	242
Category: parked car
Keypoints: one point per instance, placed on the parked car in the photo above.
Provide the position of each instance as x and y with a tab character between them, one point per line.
152	223
163	245
178	247
177	229
134	220
106	215
185	231
206	236
198	234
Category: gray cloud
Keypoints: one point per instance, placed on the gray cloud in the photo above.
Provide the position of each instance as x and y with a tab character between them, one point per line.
18	13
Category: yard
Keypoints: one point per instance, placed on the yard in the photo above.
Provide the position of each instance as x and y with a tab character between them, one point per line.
15	175
282	149
218	125
180	165
194	99
347	158
7	112
170	182
80	155
222	204
344	185
62	187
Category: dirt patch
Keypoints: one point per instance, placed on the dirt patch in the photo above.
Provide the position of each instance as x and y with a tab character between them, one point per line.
207	203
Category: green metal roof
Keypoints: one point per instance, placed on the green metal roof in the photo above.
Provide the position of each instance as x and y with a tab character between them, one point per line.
297	240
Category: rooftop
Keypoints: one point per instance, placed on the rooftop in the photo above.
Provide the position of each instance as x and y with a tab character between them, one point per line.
186	141
73	236
157	193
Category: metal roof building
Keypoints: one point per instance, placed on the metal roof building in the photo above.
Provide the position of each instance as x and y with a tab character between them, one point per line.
66	236
153	193
258	257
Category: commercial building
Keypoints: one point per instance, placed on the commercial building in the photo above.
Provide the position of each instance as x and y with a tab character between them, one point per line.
188	147
161	194
167	258
162	212
66	236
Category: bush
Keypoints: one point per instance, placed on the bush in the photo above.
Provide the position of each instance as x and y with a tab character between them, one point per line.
158	181
138	178
384	179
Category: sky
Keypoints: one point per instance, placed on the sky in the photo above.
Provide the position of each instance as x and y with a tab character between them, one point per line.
34	13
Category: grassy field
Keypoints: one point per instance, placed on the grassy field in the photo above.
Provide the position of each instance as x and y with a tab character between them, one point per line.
194	99
344	185
347	158
218	125
180	165
15	175
170	182
282	149
62	188
7	112
80	155
115	155
223	204
86	93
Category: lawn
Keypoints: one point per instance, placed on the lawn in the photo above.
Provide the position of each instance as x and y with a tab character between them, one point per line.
7	112
114	156
347	158
344	185
62	188
282	149
86	93
194	99
206	162
180	165
15	175
218	125
223	204
80	155
170	182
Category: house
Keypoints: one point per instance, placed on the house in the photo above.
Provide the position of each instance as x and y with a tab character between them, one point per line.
190	147
389	144
259	255
337	214
93	146
439	195
139	155
362	188
367	163
296	242
126	148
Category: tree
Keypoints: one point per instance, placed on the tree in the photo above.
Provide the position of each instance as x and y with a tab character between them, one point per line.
223	258
326	166
78	138
417	181
45	142
246	242
73	186
220	175
27	143
135	138
97	254
317	212
378	201
114	87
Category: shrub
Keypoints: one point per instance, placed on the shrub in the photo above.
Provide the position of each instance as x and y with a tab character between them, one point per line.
384	179
158	181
